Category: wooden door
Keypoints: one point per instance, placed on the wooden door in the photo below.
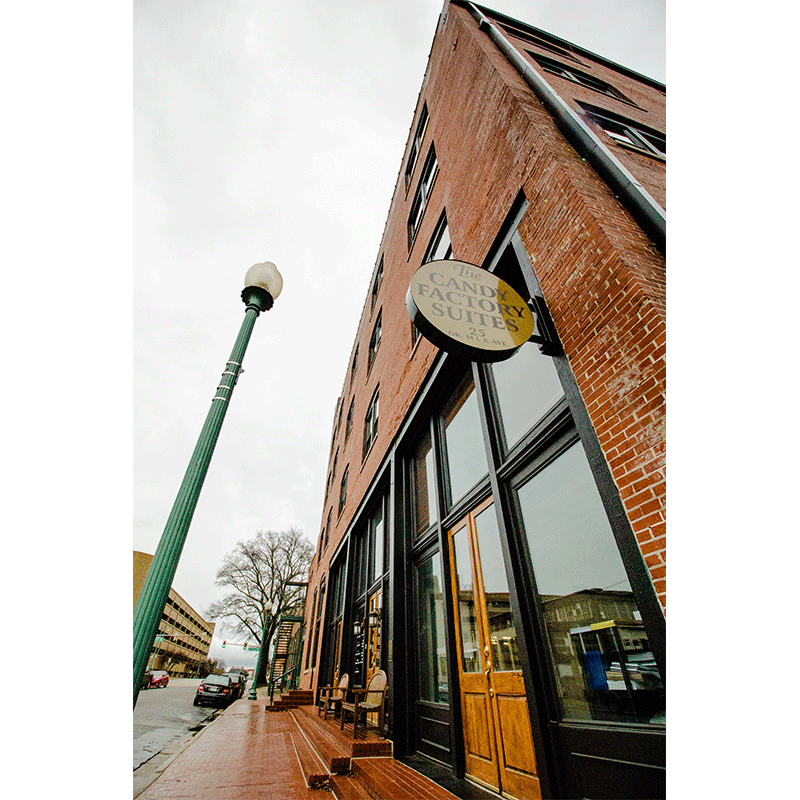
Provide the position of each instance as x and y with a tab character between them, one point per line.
498	741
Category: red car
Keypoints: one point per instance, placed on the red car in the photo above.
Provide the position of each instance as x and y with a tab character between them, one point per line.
155	678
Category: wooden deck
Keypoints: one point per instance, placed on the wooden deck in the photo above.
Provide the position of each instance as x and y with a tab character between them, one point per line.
352	769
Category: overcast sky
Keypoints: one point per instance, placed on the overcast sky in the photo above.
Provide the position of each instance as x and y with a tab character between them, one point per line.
275	131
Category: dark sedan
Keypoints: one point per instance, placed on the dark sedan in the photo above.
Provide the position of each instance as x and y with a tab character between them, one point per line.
239	681
217	690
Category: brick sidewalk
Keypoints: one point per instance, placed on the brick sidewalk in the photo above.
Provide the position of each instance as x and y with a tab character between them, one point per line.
245	754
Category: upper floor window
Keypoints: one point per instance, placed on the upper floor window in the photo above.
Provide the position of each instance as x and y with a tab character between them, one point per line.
416	144
422	195
579	76
349	423
439	246
375	341
343	489
376	284
627	133
371	423
354	365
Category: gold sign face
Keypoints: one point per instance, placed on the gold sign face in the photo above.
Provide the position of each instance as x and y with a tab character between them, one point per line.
465	309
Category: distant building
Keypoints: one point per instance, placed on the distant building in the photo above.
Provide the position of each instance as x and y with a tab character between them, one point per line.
493	534
183	637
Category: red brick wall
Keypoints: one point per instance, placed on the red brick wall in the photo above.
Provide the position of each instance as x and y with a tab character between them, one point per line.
603	280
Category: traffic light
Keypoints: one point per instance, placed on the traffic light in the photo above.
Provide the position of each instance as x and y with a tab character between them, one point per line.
224	643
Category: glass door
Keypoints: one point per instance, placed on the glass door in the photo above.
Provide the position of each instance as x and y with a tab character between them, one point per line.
498	741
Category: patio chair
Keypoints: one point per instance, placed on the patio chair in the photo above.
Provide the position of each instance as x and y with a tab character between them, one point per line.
366	701
330	697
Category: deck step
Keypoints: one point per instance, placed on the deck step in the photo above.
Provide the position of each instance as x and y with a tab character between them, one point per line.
347	788
291	699
387	779
334	752
314	770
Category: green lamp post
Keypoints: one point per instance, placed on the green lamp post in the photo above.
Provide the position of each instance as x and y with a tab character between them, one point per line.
261	649
262	285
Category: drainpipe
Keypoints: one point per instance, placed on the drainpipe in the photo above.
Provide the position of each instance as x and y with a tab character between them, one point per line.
642	206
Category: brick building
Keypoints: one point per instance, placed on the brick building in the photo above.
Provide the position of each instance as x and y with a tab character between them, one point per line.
493	533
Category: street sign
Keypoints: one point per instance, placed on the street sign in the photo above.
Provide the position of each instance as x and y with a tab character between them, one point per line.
159	638
252	649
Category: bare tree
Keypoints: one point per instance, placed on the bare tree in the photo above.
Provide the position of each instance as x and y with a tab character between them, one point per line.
258	572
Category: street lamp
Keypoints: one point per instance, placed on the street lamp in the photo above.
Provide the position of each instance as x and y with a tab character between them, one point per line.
262	285
261	649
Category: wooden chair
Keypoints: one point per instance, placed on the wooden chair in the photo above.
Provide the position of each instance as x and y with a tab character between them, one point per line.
366	701
330	697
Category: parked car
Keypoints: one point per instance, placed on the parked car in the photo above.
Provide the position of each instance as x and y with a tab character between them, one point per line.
154	678
218	690
239	681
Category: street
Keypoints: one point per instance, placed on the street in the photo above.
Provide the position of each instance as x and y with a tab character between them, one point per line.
163	715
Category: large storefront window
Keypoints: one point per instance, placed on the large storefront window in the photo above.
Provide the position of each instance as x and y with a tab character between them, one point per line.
527	386
604	668
466	454
424	480
431	642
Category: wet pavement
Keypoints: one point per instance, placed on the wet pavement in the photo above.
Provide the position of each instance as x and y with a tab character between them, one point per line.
163	716
245	754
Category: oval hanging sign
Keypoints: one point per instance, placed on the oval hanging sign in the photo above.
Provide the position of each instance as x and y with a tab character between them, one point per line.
466	310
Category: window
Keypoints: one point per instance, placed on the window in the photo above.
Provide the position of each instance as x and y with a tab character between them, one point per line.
376	284
416	144
430	628
371	423
311	642
439	246
538	41
424	485
604	667
354	365
348	426
466	454
343	489
628	133
422	195
375	341
578	76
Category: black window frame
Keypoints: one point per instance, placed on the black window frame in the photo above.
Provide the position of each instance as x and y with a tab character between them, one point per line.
579	76
436	239
374	341
371	422
348	425
416	144
343	489
376	284
427	180
643	138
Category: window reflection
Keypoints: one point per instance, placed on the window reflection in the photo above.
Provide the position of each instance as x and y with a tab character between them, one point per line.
466	454
431	645
527	386
467	619
502	633
603	664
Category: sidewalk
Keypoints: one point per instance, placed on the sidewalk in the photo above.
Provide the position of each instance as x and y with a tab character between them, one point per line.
245	753
250	754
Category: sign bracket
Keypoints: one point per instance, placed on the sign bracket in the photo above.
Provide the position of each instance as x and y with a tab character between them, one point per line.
549	344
